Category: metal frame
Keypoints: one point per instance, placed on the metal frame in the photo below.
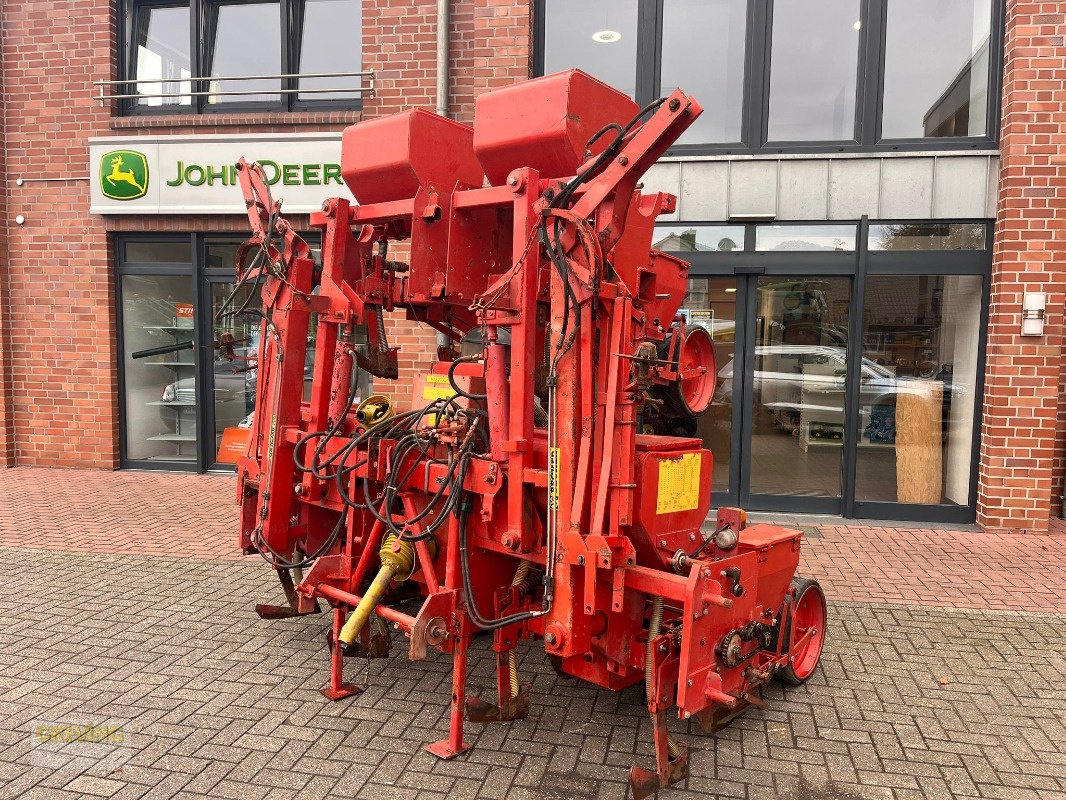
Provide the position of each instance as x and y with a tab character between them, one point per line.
201	43
857	265
755	112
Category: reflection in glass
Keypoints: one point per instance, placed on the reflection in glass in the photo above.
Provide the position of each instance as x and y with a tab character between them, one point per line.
928	236
162	41
936	68
698	239
711	304
597	36
237	27
805	237
160	390
797	430
921	338
331	42
813	67
154	252
703	53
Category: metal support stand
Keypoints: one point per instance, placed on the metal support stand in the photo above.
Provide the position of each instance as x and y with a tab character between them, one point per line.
454	744
338	689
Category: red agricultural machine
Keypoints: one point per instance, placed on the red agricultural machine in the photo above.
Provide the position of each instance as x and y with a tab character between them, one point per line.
531	491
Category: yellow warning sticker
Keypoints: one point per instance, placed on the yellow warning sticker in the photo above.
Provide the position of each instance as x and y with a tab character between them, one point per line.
437	392
553	479
679	484
438	379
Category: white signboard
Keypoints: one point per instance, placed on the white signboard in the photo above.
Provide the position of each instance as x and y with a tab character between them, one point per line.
197	174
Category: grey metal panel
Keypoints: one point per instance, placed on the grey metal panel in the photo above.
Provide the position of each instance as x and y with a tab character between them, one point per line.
960	187
906	188
992	192
704	191
752	188
664	177
854	188
803	189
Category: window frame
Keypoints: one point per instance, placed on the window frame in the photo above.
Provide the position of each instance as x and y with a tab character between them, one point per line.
869	87
858	265
203	17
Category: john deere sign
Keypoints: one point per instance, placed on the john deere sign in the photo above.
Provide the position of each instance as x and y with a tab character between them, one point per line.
124	175
196	174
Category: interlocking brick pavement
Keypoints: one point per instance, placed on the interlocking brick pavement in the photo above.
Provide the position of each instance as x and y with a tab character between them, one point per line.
153	513
912	702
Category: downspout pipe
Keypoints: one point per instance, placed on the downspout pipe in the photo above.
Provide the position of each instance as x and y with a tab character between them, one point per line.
443	74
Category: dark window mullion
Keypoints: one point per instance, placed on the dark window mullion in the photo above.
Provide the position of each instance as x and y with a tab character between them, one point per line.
757	74
649	44
202	38
290	47
874	14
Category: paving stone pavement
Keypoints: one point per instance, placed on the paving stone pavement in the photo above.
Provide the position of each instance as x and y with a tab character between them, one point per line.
912	702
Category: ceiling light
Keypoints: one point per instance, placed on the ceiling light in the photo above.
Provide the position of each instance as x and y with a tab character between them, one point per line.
606	36
857	25
731	290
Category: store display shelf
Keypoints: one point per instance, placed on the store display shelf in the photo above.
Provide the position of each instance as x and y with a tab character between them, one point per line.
172	403
172	437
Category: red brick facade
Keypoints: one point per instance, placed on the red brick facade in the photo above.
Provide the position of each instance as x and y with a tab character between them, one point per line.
1020	475
58	358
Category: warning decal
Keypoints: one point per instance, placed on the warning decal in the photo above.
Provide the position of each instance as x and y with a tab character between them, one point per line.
679	484
553	479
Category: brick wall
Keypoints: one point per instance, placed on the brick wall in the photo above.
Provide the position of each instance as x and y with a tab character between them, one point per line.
58	359
1022	426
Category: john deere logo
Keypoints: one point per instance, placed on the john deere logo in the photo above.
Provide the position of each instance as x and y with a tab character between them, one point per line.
124	175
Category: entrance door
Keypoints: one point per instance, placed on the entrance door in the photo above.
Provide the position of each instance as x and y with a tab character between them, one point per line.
776	425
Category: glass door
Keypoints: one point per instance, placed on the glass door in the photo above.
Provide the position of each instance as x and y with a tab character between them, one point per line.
232	375
793	397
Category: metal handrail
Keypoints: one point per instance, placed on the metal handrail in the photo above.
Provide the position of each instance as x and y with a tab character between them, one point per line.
367	90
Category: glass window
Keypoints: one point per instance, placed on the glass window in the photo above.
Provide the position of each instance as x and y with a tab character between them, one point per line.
331	41
161	39
597	36
936	68
711	303
805	237
160	387
139	252
921	339
247	41
703	53
928	236
813	65
699	238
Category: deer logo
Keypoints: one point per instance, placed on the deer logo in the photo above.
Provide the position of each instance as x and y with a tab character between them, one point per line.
124	175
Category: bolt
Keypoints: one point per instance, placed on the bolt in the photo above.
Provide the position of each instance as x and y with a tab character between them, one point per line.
580	559
662	648
692	537
623	160
550	639
690	681
688	714
675	104
512	181
299	488
662	543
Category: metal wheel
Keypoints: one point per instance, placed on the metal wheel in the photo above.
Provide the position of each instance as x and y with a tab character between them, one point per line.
804	631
